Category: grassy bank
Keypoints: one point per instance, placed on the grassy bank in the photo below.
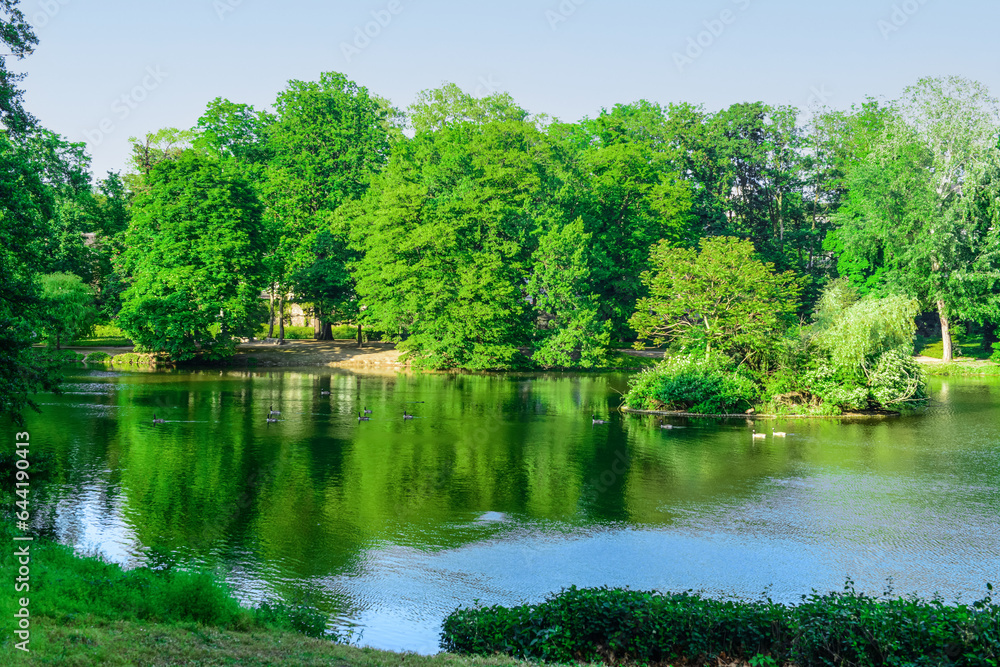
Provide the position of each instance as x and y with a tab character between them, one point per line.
962	368
87	641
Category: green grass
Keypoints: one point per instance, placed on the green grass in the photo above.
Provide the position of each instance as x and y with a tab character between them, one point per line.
964	369
970	347
621	360
84	641
104	335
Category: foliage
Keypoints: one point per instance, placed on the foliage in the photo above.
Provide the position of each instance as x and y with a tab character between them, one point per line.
720	297
569	332
328	139
98	357
707	384
68	307
17	35
446	243
911	221
859	335
25	204
193	260
617	626
863	352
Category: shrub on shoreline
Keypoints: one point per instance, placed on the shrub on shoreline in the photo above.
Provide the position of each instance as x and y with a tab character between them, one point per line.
693	383
840	628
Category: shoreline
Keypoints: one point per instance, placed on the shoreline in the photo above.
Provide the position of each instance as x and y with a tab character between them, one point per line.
374	356
846	415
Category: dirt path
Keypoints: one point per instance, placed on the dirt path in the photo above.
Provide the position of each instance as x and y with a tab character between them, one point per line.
336	353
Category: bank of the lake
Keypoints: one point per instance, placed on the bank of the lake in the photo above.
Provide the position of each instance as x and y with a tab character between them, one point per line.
372	356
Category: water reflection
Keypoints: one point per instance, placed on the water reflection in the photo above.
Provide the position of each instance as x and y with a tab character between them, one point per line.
500	489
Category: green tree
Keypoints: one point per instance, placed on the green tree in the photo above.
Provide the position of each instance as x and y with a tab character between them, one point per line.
24	204
570	332
620	173
68	306
717	298
192	260
329	139
447	243
907	223
15	34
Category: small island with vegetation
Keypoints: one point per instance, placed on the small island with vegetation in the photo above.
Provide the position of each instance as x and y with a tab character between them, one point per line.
738	344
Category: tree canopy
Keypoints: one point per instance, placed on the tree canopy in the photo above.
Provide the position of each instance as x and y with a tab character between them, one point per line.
193	260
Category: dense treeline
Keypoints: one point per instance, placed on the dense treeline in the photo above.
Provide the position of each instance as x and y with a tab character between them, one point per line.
478	235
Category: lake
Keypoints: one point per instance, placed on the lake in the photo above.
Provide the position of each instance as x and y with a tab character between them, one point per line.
500	490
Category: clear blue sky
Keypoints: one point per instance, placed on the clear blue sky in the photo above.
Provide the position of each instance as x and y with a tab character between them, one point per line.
568	59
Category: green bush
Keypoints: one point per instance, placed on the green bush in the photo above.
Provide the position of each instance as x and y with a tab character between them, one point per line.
897	382
98	357
707	384
623	626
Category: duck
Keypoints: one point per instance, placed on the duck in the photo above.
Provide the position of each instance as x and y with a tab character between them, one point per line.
367	411
272	420
159	421
272	411
595	420
406	416
362	418
325	392
778	434
662	425
758	435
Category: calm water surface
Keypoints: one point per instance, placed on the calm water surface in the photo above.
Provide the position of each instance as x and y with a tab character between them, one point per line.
501	490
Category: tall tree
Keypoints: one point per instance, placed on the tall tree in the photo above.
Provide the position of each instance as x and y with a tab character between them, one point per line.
621	179
193	260
25	204
15	34
447	243
329	139
904	225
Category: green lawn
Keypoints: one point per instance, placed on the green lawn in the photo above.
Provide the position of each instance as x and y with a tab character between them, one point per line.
87	640
969	347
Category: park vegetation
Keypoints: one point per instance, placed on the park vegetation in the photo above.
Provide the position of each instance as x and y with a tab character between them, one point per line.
759	246
625	627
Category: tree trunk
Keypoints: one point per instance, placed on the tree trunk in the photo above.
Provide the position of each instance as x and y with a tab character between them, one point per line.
318	331
360	339
270	326
281	319
327	331
990	337
945	332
